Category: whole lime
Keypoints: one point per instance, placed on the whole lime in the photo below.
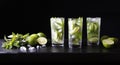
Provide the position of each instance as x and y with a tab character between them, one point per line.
41	34
32	39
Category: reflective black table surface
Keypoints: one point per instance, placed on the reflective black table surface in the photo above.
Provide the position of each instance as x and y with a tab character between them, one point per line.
60	54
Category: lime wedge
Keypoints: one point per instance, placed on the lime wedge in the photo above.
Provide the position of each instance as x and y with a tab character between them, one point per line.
42	40
96	27
75	30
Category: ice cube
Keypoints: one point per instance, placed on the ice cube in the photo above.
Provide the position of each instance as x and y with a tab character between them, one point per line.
23	49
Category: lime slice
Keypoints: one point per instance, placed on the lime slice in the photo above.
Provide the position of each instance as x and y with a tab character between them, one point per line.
92	27
107	43
93	39
42	40
76	29
96	27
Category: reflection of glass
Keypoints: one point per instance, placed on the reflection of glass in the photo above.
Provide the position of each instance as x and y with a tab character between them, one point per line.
93	30
57	31
75	31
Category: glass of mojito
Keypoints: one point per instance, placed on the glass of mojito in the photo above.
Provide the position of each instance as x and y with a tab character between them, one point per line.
75	32
57	31
93	30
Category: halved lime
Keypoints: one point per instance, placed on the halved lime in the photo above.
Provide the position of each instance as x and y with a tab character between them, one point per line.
104	37
114	39
42	40
107	43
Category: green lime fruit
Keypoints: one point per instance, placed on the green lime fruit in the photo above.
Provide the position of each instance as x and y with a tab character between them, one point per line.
42	40
92	27
40	34
104	37
75	30
32	39
96	27
114	39
108	43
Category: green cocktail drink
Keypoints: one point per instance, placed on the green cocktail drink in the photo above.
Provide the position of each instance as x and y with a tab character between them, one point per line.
75	26
93	30
57	31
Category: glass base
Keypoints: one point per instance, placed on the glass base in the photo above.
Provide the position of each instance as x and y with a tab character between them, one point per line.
74	46
93	44
57	45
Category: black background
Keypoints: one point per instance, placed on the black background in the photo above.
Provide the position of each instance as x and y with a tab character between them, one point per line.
34	16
